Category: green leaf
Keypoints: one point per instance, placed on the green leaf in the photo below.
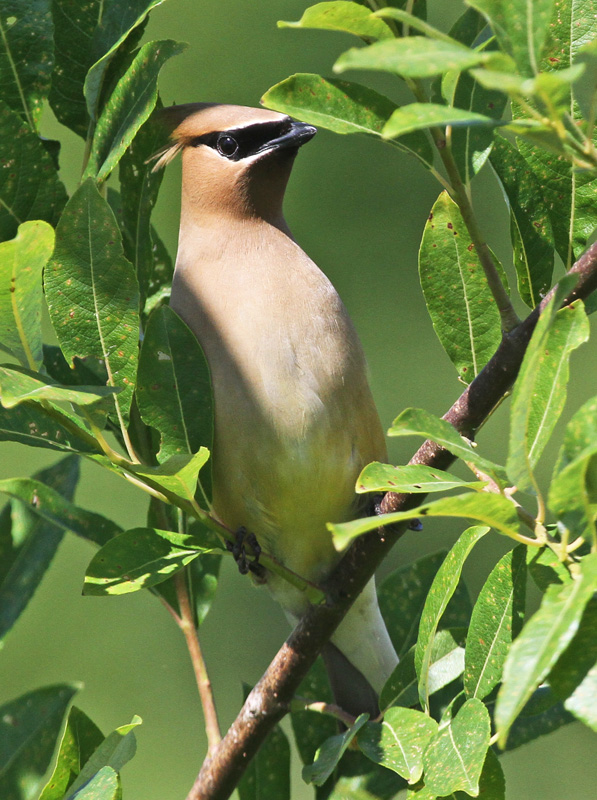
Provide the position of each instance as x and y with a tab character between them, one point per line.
103	786
580	435
529	727
28	543
268	775
418	422
26	56
341	107
402	597
342	16
530	226
571	493
128	107
398	743
493	510
570	194
92	292
413	57
32	426
178	475
574	677
572	496
418	116
79	740
115	751
174	386
29	727
414	22
377	477
446	665
460	304
472	145
47	503
330	753
137	559
442	589
21	265
455	757
539	393
19	386
30	189
495	622
139	186
521	28
543	639
118	19
546	569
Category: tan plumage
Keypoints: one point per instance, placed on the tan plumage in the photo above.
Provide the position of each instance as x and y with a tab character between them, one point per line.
294	417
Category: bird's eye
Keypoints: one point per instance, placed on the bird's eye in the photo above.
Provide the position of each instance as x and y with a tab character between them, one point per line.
227	145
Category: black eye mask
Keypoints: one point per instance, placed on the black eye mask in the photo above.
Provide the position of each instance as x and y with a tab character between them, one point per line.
238	143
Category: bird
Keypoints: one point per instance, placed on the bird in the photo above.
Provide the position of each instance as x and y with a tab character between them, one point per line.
294	417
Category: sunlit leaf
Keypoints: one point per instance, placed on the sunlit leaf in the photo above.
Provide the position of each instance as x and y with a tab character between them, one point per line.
441	591
137	559
103	786
19	386
398	743
455	758
413	57
540	390
459	300
342	16
543	639
419	116
521	28
341	107
496	620
377	477
22	260
418	422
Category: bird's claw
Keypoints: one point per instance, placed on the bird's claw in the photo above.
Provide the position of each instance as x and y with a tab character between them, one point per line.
239	553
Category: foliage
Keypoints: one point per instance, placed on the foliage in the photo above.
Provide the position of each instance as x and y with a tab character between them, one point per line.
510	87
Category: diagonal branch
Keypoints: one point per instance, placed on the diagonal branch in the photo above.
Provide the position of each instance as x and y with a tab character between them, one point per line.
270	699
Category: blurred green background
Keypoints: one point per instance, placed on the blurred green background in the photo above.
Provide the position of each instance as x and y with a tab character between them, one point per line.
358	208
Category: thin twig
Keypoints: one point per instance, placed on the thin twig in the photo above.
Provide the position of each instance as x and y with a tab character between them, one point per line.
186	623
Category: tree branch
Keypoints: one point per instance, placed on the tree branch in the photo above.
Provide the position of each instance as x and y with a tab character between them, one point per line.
270	699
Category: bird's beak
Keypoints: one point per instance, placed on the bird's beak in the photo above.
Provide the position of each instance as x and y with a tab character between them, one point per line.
297	135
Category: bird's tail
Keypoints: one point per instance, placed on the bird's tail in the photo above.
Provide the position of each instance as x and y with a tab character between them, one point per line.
360	657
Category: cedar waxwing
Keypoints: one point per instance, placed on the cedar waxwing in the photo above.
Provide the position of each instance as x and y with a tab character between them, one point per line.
295	421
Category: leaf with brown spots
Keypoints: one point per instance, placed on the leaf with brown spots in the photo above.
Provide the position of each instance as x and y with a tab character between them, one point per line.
92	292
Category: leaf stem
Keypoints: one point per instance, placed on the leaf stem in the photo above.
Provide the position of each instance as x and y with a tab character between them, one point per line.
331	709
186	623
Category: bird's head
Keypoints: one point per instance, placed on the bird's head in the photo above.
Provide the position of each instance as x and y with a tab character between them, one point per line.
235	158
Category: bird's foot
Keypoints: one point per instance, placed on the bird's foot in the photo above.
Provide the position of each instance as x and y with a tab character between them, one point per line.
239	553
